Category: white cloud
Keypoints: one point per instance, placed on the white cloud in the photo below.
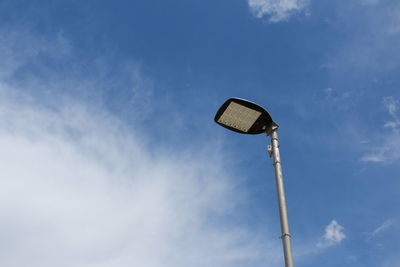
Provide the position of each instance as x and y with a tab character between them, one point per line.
388	149
392	105
80	187
333	235
276	10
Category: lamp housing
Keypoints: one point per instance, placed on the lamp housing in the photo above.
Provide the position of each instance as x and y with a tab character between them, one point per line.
244	117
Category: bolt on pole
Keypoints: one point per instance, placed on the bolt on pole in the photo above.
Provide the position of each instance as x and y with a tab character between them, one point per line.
273	150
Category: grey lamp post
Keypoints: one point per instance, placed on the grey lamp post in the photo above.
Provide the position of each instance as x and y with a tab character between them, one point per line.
245	117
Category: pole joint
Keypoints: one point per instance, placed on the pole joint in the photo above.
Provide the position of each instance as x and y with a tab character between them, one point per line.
285	235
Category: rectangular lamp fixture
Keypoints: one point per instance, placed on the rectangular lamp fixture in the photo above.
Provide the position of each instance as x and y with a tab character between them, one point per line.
239	117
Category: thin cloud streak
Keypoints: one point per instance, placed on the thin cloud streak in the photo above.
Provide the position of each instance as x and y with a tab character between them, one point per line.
382	228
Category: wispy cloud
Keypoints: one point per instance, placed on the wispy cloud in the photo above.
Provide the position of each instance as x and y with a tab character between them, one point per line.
276	10
80	187
381	228
392	105
373	37
18	47
337	97
389	143
333	235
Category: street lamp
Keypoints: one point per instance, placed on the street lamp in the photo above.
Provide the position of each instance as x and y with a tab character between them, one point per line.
245	117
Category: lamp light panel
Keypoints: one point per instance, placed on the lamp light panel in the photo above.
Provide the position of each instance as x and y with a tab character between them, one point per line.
239	117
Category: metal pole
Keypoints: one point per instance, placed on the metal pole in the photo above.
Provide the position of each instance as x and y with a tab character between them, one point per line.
274	152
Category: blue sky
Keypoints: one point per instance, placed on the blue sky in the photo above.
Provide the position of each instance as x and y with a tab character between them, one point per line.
110	156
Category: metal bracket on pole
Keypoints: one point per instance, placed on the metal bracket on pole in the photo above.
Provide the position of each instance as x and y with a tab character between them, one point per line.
272	128
269	149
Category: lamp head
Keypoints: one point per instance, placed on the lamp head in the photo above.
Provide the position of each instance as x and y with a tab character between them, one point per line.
245	117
